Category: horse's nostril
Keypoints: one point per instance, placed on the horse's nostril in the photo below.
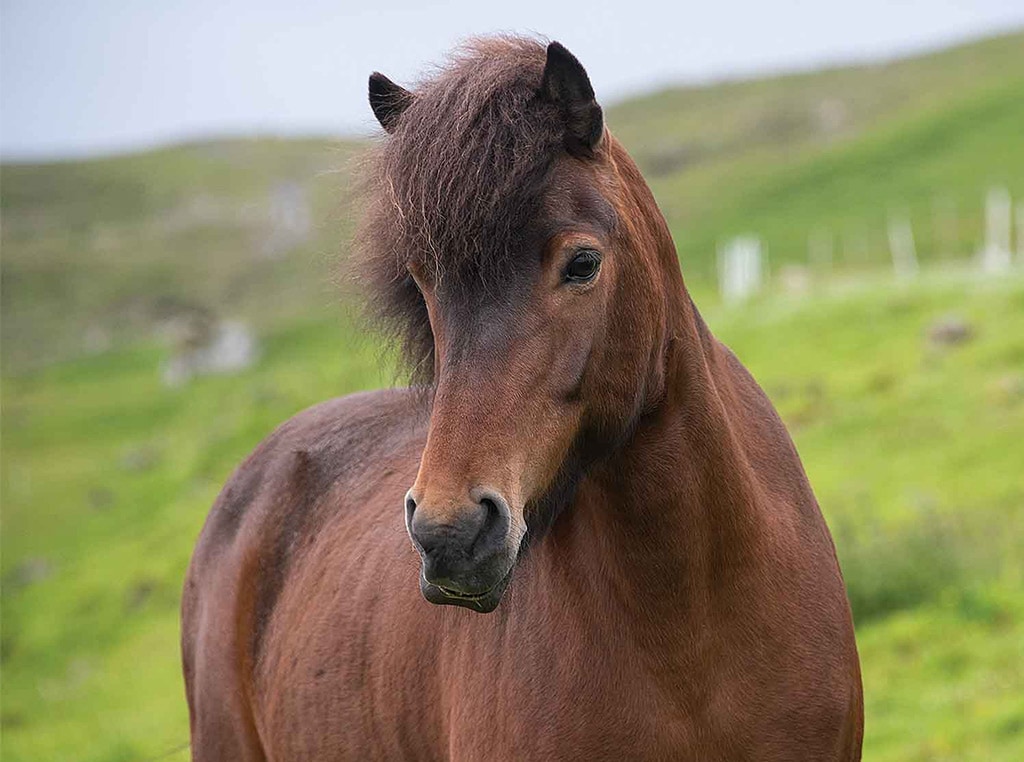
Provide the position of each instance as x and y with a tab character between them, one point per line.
410	509
492	502
494	525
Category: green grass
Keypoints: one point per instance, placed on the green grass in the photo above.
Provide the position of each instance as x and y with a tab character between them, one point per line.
115	246
930	536
90	652
911	139
914	450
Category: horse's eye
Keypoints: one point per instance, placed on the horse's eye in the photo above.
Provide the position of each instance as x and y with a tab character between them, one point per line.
583	267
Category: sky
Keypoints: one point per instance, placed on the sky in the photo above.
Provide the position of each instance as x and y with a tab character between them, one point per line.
80	77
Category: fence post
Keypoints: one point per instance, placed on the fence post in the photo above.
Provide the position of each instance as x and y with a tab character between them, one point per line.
1020	233
901	245
995	254
740	268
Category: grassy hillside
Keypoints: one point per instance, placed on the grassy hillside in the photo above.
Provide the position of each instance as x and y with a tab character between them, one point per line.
913	445
100	253
836	152
914	453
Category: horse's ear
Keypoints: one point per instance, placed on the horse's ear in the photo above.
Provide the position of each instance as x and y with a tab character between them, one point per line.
388	100
566	84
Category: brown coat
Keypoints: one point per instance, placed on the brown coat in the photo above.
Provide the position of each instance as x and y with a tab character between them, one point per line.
587	464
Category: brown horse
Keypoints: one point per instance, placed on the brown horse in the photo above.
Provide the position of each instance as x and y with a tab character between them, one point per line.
628	558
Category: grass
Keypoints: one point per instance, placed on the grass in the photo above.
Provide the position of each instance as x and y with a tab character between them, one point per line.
90	650
913	447
114	247
930	537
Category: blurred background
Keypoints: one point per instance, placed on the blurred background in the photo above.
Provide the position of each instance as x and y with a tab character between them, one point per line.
845	184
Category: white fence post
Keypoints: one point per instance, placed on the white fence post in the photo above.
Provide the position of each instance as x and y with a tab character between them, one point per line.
901	244
740	270
1020	233
995	253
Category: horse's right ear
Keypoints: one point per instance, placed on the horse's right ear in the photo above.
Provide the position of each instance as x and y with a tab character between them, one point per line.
388	100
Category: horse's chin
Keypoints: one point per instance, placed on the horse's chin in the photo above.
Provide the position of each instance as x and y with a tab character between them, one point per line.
484	603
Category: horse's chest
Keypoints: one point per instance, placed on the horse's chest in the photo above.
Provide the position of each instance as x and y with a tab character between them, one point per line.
558	723
472	698
560	699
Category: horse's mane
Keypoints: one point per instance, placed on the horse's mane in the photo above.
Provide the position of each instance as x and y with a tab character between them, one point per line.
452	188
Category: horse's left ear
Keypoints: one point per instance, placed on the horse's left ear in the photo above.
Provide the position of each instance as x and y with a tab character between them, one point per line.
388	100
566	84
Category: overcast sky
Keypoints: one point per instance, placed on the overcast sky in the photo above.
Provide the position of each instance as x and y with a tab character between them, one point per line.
86	76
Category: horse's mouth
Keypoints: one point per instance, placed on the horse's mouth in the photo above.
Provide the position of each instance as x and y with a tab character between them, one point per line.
483	603
464	596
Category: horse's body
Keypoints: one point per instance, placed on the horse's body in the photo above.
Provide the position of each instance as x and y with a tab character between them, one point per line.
677	595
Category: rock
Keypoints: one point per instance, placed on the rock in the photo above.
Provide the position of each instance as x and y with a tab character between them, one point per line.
230	347
140	458
29	572
100	498
138	594
290	220
950	331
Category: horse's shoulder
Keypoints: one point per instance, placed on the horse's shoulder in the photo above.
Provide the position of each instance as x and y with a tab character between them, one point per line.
312	466
345	439
350	429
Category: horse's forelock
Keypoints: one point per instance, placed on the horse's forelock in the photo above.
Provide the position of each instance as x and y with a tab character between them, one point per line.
453	187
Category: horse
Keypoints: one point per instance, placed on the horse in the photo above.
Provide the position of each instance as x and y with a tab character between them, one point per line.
581	532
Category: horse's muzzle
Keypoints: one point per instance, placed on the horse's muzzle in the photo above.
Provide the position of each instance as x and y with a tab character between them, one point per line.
467	553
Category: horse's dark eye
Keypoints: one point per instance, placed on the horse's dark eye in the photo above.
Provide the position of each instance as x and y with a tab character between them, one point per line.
583	266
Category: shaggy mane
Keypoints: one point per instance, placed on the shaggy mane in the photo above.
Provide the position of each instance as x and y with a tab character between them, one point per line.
450	190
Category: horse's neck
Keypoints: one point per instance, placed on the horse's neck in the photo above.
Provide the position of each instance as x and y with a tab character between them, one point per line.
671	521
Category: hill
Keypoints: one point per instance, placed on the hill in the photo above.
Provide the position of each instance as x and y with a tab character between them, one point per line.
836	153
101	253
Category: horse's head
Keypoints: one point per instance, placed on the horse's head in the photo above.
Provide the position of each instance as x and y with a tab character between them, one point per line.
516	247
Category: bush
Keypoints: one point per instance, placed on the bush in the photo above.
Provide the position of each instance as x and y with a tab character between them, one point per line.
890	568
